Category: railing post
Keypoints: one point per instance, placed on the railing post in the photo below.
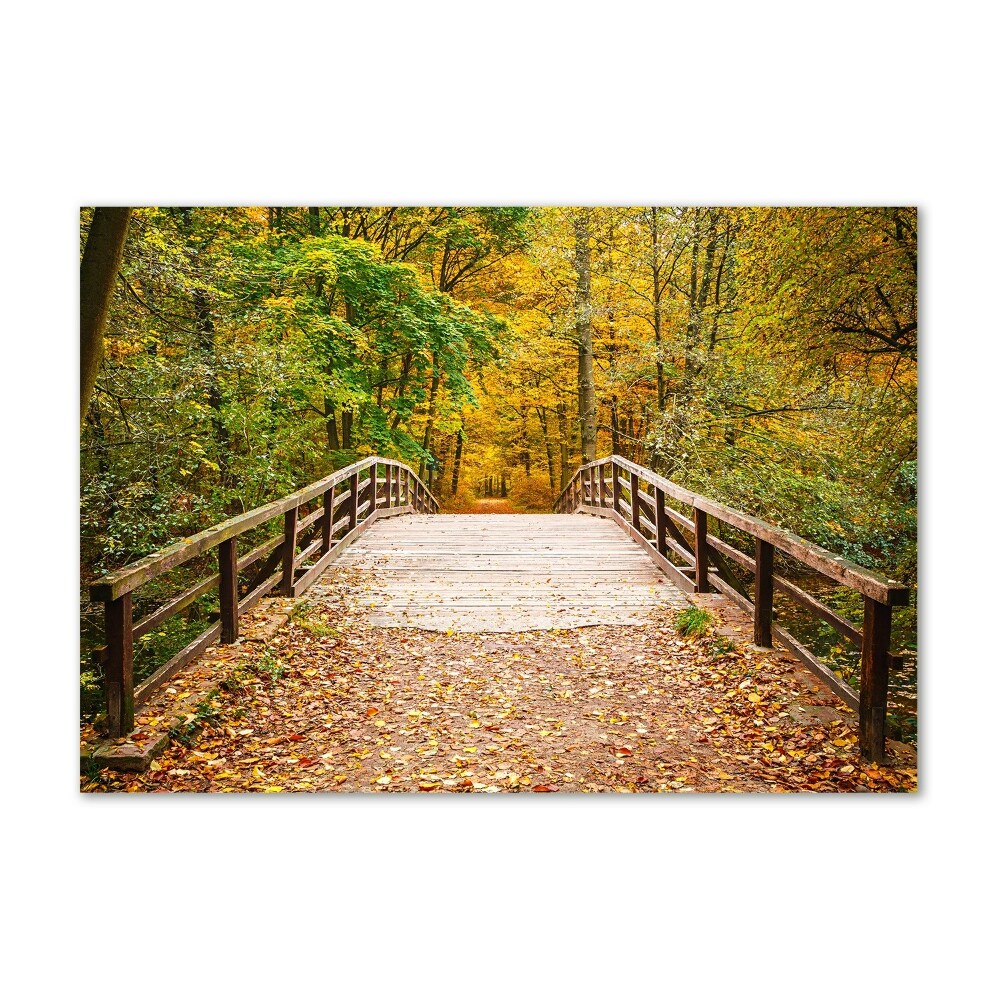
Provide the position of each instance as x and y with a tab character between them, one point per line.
633	488
327	524
394	495
661	521
763	593
701	553
229	600
616	489
374	503
603	492
874	679
352	507
288	553
119	687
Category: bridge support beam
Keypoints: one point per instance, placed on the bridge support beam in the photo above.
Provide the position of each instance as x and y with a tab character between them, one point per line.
874	679
763	594
352	511
700	551
119	689
327	525
288	553
229	600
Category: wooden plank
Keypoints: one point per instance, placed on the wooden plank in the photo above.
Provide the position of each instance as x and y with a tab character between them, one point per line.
507	573
118	684
141	571
353	500
157	563
180	602
836	684
288	552
841	688
326	530
261	590
843	570
310	576
228	591
254	554
676	577
741	558
659	520
310	519
195	648
874	679
763	594
844	627
304	556
270	563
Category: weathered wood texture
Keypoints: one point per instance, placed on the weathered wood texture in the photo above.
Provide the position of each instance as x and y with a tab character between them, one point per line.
501	573
309	541
649	521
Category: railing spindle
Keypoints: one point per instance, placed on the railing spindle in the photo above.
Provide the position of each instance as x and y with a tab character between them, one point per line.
763	593
352	507
118	682
288	554
327	523
229	602
701	552
660	511
616	490
633	488
874	699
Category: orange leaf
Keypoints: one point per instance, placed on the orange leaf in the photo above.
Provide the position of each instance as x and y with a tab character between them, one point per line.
372	711
545	788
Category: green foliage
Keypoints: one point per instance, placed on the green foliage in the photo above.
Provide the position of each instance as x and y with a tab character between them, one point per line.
693	623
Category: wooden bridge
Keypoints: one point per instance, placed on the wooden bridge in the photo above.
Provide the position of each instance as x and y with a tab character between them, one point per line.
648	547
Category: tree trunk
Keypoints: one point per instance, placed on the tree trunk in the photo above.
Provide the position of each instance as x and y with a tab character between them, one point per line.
585	338
98	272
206	341
459	437
658	288
431	407
564	471
549	457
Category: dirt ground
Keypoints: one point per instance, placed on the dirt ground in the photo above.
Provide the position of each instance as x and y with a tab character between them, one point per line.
331	703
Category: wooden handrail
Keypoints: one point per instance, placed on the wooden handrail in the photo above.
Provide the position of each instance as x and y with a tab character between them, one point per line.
646	517
323	532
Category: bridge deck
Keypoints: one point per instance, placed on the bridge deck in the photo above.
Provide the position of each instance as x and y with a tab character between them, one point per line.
499	573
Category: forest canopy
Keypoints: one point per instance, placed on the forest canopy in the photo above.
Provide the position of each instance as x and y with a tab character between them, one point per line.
765	357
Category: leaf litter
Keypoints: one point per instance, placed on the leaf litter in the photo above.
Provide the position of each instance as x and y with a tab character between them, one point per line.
334	703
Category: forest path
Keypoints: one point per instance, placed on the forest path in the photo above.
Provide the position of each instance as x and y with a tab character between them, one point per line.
497	573
499	689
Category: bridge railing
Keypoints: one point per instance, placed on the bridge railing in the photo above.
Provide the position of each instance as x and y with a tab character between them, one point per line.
681	545
343	505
